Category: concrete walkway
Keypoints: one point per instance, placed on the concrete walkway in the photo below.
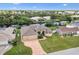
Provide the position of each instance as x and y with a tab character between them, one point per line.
36	47
72	51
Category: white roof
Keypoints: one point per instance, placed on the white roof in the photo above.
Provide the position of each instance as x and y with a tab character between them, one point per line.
70	11
75	16
35	17
47	17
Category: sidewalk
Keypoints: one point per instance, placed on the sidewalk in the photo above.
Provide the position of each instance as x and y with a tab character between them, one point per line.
72	51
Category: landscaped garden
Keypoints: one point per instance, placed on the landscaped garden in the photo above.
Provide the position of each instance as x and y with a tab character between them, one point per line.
56	43
18	47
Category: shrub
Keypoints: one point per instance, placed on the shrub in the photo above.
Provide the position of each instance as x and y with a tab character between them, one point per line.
13	42
48	24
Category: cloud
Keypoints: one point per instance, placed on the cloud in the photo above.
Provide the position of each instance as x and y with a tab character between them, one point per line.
64	4
14	8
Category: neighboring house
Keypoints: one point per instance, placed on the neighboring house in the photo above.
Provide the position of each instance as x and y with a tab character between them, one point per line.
4	38
56	23
37	18
47	17
30	32
60	12
75	16
63	22
73	24
69	12
6	35
68	31
59	23
77	13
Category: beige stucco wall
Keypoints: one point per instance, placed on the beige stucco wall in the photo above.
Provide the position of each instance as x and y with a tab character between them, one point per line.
32	37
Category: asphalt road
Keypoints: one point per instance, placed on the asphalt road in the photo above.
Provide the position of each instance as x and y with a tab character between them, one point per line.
72	51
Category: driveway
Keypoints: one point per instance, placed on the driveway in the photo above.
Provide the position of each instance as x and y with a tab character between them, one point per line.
72	51
36	47
4	48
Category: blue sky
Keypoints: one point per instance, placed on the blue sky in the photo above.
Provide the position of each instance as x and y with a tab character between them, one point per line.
39	6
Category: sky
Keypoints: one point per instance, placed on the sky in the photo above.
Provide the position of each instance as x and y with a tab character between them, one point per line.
39	6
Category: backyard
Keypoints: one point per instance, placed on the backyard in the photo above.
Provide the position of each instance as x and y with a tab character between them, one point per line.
56	43
19	49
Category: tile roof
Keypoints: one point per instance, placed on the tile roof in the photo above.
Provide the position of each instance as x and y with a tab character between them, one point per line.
75	24
4	37
66	30
34	28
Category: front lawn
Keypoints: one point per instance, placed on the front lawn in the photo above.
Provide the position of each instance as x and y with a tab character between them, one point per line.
19	49
56	43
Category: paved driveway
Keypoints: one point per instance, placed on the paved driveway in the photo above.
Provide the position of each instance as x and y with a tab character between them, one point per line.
4	48
36	47
72	51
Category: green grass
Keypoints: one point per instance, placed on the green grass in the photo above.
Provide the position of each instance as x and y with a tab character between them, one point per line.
56	43
19	49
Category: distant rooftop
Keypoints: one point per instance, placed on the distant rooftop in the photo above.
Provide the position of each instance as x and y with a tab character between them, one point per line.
4	37
75	16
75	23
68	30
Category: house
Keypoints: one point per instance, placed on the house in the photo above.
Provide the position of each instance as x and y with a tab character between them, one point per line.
56	23
47	17
6	35
68	31
4	38
63	22
60	12
69	12
77	13
59	23
31	32
73	24
75	16
35	18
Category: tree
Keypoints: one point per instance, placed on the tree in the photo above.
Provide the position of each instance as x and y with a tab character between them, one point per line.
68	18
13	42
48	24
